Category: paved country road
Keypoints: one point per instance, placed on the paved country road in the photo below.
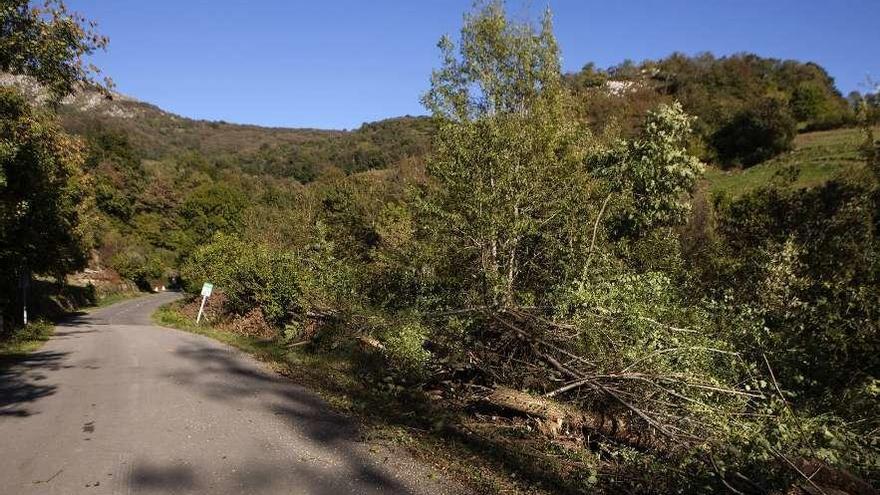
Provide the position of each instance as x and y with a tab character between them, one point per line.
115	404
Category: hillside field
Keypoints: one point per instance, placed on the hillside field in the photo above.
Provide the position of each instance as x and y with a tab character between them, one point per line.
818	156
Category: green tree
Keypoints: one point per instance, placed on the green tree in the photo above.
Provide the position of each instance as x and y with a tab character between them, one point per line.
653	174
212	208
808	101
48	43
45	203
45	199
756	134
509	160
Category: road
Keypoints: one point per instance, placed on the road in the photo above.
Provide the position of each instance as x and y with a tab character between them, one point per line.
115	404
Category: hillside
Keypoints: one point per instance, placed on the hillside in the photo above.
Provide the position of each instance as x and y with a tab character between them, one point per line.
302	154
538	289
626	93
817	157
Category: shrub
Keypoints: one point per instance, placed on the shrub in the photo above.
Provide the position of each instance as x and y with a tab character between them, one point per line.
249	275
404	348
756	134
806	261
286	285
142	266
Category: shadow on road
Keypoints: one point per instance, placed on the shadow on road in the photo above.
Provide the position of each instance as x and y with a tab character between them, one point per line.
20	378
222	377
80	318
70	334
152	477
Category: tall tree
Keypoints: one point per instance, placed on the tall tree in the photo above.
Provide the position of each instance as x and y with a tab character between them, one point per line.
49	43
45	197
509	159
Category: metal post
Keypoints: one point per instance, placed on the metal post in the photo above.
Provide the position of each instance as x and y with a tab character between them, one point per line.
201	308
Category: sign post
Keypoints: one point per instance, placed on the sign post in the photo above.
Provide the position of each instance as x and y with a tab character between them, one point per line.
24	282
206	292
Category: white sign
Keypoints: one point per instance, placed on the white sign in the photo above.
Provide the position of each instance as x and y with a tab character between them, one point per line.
206	292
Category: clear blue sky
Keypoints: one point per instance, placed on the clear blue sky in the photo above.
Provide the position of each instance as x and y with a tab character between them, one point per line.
339	63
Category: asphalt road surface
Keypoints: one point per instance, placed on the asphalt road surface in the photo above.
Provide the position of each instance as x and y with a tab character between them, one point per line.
115	404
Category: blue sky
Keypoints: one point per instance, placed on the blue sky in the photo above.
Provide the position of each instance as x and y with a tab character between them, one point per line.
337	64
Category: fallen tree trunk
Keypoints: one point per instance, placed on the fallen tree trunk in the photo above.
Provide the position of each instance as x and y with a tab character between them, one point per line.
553	417
556	418
827	478
369	344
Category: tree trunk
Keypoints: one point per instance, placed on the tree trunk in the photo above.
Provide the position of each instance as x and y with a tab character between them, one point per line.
558	417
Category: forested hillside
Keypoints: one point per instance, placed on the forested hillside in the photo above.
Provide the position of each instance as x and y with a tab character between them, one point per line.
541	273
748	108
164	184
133	144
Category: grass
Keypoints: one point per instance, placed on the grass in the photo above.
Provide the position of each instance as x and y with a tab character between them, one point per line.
818	156
387	413
265	350
27	339
114	298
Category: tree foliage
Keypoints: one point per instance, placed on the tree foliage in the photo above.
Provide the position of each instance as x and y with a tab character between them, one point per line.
545	246
509	163
45	203
49	43
46	198
735	99
756	134
654	174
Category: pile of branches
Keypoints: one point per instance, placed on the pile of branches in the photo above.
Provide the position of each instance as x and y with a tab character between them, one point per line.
537	368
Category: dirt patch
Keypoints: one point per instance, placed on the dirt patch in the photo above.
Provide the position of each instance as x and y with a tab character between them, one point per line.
104	280
252	324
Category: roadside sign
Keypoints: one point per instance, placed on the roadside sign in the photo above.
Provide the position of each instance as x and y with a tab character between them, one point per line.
206	292
23	283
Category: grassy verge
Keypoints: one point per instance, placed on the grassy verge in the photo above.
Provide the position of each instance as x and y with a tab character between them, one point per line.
115	298
818	157
390	414
27	339
265	350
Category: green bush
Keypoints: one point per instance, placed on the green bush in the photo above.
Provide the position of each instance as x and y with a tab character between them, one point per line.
250	276
808	260
405	349
142	266
15	340
756	134
285	284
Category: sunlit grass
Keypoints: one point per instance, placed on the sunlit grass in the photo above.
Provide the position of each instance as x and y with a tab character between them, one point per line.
818	157
115	298
265	350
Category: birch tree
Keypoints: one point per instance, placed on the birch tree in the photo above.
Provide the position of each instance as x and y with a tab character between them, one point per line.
511	189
